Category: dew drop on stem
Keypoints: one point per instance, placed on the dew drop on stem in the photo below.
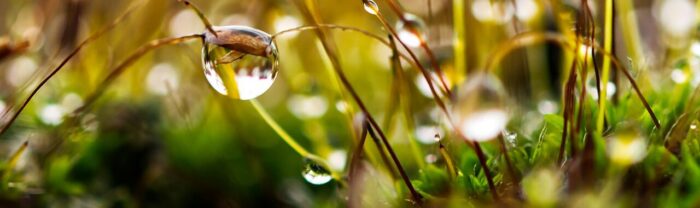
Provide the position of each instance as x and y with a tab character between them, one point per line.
315	173
239	61
370	7
479	112
411	30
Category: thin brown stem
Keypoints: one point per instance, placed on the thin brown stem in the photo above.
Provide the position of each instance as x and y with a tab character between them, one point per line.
313	17
423	44
201	16
527	38
128	62
342	28
425	73
509	163
53	72
487	172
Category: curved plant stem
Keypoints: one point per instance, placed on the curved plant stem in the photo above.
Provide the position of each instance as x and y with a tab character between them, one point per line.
529	38
53	72
342	28
290	141
448	161
309	10
128	62
201	16
276	127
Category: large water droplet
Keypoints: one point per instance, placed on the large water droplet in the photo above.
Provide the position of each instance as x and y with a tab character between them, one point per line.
411	30
479	112
315	173
370	7
239	62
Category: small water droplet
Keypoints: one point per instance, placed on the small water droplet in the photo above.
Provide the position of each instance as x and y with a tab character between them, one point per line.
341	106
411	30
679	76
315	173
547	107
240	62
694	125
52	114
426	133
431	158
479	112
370	7
510	137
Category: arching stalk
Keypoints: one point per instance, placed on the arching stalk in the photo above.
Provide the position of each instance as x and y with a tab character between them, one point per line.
529	38
112	76
309	11
201	16
53	72
291	141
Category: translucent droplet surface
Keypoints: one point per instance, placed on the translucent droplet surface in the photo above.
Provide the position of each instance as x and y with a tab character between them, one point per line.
315	173
370	7
411	30
239	62
479	112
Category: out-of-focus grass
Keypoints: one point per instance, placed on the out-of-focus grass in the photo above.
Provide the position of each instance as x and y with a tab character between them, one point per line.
181	144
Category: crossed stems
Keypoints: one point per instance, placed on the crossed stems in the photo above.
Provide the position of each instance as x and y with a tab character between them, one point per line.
518	41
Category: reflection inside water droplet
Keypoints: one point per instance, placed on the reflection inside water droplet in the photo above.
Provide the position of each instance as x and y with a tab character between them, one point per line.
240	62
479	113
315	173
370	7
